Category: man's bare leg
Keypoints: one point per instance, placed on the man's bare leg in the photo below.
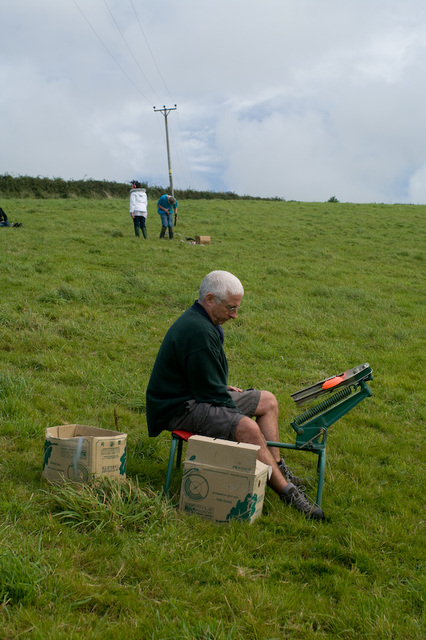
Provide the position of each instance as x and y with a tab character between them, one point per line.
267	418
249	431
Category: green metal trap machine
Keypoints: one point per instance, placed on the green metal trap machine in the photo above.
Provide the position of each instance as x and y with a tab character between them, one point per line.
344	392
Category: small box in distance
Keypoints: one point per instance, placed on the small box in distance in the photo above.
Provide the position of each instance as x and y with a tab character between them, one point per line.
203	239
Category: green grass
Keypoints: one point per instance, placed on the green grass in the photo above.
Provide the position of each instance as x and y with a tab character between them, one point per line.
83	309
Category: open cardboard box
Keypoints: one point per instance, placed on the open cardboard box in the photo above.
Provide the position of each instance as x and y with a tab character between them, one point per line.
79	453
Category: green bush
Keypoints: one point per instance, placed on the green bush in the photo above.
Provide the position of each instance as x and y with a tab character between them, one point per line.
45	188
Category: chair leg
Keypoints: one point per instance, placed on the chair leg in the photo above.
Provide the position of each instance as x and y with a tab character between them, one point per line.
179	453
170	465
321	473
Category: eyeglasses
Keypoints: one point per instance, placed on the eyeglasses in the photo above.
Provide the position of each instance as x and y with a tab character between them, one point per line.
230	308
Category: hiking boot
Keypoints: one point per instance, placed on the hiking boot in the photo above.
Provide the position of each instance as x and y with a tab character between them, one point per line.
289	475
296	498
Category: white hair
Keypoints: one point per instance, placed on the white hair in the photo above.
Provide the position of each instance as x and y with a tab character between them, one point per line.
220	284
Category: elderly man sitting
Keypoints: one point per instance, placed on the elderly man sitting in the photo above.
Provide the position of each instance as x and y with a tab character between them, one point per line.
189	390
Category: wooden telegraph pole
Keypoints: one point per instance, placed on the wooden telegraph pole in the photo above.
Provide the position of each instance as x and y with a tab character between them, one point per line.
165	111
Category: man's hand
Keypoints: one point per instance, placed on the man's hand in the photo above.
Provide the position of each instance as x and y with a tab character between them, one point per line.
230	388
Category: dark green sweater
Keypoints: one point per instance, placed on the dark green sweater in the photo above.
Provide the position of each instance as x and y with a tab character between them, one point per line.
191	364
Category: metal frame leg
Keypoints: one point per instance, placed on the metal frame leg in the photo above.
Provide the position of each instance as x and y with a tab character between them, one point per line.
321	463
176	442
321	474
173	446
179	453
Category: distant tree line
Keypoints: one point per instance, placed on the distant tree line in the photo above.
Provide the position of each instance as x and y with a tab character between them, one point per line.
43	188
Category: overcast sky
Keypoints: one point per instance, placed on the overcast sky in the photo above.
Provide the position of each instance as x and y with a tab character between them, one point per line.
297	99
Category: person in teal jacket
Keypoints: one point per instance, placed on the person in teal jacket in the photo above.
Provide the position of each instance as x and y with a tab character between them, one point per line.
188	388
165	207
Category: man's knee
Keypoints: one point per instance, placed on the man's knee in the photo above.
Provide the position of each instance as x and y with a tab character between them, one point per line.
247	430
267	403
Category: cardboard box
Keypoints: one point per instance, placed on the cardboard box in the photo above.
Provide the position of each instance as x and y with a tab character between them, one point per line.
223	480
77	453
203	239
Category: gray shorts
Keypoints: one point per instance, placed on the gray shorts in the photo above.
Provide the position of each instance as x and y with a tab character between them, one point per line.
206	419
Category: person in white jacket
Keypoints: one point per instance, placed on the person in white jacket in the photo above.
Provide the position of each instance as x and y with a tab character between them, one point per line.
138	208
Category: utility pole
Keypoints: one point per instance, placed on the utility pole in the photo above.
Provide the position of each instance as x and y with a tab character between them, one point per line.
165	111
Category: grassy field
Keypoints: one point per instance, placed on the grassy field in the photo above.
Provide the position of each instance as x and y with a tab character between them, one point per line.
83	308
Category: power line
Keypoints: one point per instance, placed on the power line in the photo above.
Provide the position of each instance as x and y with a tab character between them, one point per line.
130	50
129	78
168	91
111	54
150	50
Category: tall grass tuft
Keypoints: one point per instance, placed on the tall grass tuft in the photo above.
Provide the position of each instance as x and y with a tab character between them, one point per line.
107	505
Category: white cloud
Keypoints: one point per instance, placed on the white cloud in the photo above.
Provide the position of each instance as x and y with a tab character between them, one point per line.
302	100
417	186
